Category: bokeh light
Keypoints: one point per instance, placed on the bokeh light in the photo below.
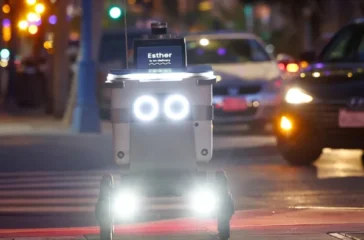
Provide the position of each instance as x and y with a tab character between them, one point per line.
6	8
33	29
22	25
4	63
39	8
115	12
52	19
33	17
4	53
6	22
31	2
48	44
221	51
204	42
38	23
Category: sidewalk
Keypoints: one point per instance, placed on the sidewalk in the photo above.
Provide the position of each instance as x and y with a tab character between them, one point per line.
296	224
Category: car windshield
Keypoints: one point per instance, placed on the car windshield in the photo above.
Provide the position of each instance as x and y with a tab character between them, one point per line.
208	51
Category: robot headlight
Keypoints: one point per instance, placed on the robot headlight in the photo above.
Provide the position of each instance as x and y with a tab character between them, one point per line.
146	108
176	107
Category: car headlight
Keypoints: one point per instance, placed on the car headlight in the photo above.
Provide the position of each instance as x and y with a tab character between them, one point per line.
146	108
126	204
176	107
297	96
204	201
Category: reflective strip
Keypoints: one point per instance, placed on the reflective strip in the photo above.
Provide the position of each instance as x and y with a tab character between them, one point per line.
198	113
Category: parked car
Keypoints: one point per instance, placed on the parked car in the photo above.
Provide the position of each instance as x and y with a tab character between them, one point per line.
249	82
324	107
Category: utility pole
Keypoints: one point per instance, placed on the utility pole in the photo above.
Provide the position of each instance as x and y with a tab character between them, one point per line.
86	116
10	96
61	67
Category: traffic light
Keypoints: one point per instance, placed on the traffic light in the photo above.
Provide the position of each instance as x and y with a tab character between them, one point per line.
115	12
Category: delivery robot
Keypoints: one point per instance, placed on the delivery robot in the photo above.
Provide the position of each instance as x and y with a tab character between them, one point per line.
161	113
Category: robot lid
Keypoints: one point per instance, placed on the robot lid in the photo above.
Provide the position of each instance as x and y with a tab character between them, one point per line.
202	72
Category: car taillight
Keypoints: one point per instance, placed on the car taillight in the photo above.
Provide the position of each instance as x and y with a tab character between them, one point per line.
292	67
282	66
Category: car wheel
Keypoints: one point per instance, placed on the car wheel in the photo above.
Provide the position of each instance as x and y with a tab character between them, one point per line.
298	154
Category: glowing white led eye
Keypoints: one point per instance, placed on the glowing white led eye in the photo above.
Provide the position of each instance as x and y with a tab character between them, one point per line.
176	107
146	108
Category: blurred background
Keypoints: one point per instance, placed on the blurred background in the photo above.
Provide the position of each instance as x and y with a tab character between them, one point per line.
41	38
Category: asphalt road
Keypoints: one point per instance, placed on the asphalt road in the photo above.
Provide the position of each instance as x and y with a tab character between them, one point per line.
52	180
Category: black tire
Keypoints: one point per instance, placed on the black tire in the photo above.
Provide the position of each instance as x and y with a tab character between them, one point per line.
299	154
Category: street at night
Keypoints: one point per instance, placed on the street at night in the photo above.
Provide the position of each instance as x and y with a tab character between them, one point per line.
53	180
181	119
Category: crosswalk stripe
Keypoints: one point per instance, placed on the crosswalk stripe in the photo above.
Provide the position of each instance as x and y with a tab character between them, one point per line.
114	172
52	209
66	192
48	201
87	184
56	192
50	192
52	178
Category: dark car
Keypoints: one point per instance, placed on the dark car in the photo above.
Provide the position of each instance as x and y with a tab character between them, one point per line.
324	108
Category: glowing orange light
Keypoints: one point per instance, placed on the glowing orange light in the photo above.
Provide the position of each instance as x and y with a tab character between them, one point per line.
6	32
304	64
48	44
286	123
6	8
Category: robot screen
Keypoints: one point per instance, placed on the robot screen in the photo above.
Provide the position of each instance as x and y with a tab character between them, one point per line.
160	57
